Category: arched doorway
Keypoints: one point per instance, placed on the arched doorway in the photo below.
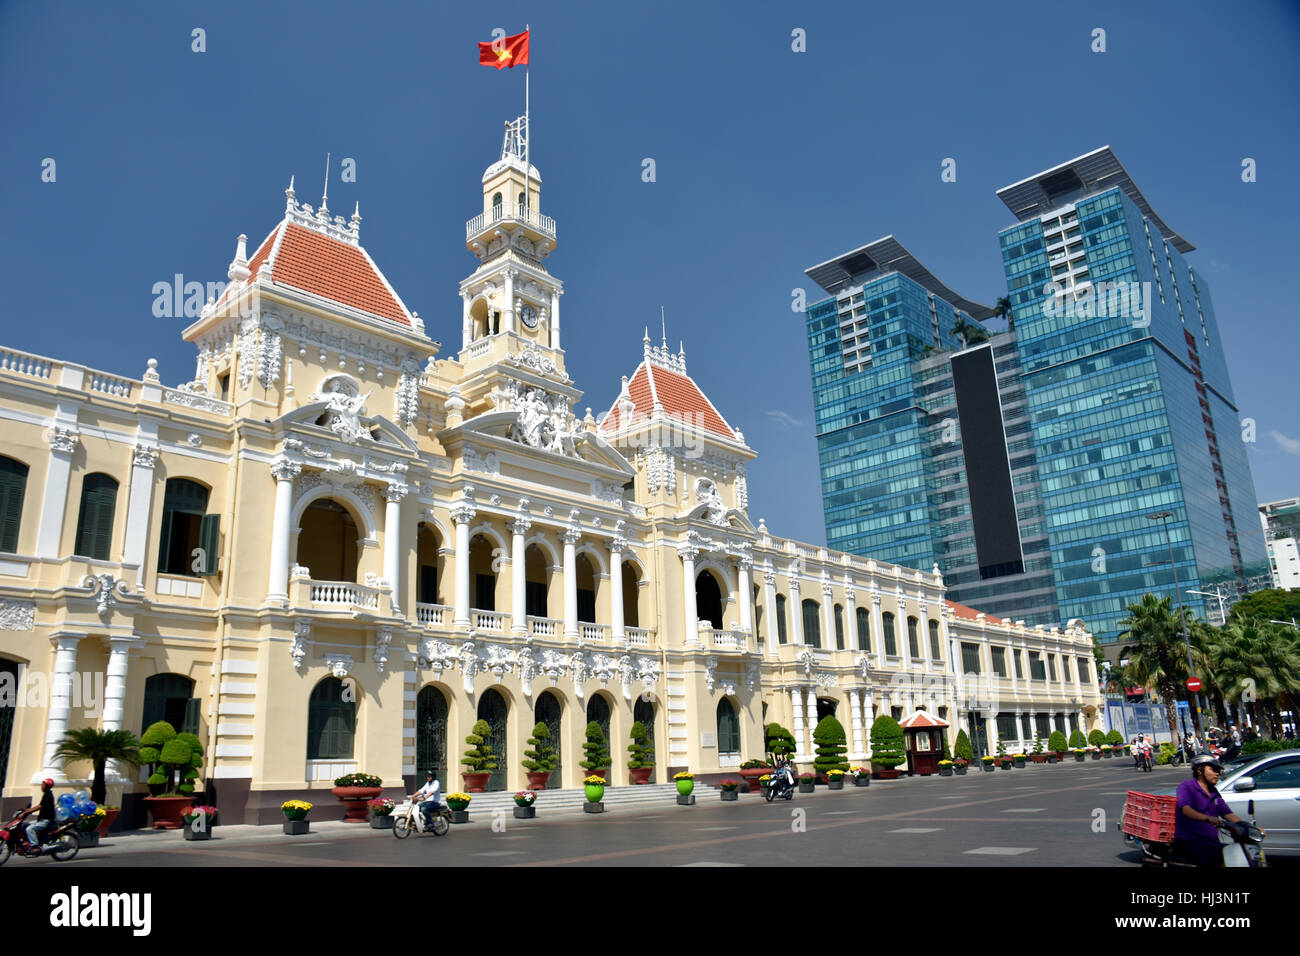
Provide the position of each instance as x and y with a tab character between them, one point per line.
536	582
644	711
427	544
331	721
431	736
728	729
8	680
482	575
328	541
492	707
708	599
586	589
170	697
548	711
631	596
598	710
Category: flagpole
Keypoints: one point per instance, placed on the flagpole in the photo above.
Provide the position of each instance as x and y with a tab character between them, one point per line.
528	125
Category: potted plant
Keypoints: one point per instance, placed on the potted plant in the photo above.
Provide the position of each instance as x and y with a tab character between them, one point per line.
642	755
830	743
886	747
594	789
1097	737
524	805
685	781
729	789
807	782
1080	754
1094	752
596	752
764	782
1057	745
778	741
1018	759
199	822
381	813
861	776
754	771
1037	755
173	761
539	760
1104	750
945	768
89	819
835	779
479	757
100	747
458	803
959	765
961	749
1077	740
355	791
1116	740
1002	760
295	816
987	762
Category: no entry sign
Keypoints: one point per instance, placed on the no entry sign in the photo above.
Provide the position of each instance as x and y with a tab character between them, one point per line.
1194	684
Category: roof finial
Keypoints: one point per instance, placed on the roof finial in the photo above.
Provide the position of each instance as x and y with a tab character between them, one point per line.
663	328
288	195
324	207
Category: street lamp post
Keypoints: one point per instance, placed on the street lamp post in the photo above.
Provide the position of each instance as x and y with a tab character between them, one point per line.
1216	593
1163	517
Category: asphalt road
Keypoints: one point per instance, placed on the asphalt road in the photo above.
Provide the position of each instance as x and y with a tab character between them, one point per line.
1042	815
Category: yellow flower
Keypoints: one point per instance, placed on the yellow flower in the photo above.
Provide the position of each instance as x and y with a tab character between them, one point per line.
594	780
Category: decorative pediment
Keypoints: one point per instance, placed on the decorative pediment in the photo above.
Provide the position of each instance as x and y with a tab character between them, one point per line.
370	430
498	434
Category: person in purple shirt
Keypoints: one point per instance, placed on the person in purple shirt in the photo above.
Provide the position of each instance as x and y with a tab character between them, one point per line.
1200	808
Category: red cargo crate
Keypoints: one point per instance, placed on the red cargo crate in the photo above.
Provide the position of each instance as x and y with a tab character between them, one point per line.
1149	817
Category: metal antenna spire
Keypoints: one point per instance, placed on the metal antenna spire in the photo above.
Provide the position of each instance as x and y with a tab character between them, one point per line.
326	194
663	327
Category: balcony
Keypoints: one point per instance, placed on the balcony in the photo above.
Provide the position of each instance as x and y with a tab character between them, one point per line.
640	636
433	615
732	640
544	626
510	213
594	633
343	596
493	622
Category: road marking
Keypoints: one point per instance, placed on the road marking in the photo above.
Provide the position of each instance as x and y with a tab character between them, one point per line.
717	828
916	830
959	797
710	863
838	813
1026	810
501	853
313	843
1114	793
1001	850
519	836
1024	788
656	817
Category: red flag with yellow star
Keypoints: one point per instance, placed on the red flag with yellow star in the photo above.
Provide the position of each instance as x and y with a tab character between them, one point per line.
507	51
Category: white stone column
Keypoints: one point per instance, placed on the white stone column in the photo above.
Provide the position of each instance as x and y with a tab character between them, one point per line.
878	625
617	627
570	537
769	613
115	691
811	710
855	720
555	318
828	616
868	718
903	634
138	506
690	618
796	708
54	504
462	514
56	721
509	324
393	495
796	612
518	589
851	626
284	472
745	595
1020	731
466	323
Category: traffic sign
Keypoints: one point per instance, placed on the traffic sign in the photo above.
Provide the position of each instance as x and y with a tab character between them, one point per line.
1194	684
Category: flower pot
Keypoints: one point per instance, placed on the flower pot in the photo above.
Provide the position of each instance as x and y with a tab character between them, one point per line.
593	806
835	784
730	795
1051	758
1096	755
885	773
355	802
1018	761
684	787
295	814
945	771
1079	758
1038	758
958	771
641	775
382	823
476	782
525	813
297	827
1107	754
537	781
193	833
167	811
988	766
1061	755
763	788
806	786
1004	764
862	780
751	776
110	814
594	791
460	816
87	838
686	799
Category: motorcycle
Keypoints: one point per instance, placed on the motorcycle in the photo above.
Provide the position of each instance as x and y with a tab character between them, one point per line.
1241	843
782	783
58	841
408	819
1145	761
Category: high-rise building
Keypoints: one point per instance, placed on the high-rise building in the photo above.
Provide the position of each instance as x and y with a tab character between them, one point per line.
1280	521
1110	399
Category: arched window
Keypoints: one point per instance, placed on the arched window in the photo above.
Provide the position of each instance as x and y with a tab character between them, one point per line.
431	735
839	627
708	599
170	697
586	589
331	721
493	708
728	728
891	641
95	520
8	675
644	711
780	619
812	629
184	505
496	200
864	629
913	639
523	199
13	484
549	711
936	645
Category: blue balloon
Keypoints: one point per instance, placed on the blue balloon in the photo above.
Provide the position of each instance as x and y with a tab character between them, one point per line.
65	800
81	797
91	807
62	814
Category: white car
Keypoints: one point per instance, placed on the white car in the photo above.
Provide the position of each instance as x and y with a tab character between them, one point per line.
1272	782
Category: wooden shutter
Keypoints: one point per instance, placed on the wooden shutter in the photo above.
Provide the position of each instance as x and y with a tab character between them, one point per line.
95	522
191	723
210	543
13	483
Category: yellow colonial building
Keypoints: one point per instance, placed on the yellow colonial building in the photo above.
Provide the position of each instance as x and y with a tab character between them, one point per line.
335	549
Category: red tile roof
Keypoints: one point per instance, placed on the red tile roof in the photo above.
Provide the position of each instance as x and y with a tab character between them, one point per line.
970	614
921	720
680	396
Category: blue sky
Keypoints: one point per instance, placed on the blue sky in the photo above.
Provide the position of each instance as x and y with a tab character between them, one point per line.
767	161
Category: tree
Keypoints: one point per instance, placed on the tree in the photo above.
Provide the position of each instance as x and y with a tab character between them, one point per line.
1254	662
479	758
173	758
1056	742
541	757
962	748
99	747
887	742
1156	652
640	752
1076	739
779	741
968	332
830	740
595	748
1003	311
1272	604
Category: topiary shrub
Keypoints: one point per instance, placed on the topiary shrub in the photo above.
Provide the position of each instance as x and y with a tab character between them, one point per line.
778	740
1097	737
947	755
1114	737
595	748
1076	739
1038	744
887	742
831	745
962	749
1056	742
640	752
541	757
173	758
479	758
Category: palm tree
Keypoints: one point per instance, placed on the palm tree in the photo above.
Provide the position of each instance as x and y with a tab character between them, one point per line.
99	747
1155	651
1003	311
1253	662
969	333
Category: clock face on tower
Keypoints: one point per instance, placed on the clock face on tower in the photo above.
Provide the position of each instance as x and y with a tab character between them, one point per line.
529	316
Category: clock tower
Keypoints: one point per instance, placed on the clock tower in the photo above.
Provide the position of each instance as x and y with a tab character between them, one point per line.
511	295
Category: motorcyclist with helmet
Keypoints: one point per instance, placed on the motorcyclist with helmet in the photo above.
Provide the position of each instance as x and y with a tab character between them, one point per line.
427	797
1201	809
45	817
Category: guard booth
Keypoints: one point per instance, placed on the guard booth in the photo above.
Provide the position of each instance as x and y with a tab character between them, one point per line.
923	741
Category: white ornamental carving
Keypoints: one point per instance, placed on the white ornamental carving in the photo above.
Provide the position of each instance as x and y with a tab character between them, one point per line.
532	358
408	394
17	615
190	398
381	650
340	665
345	405
270	354
826	679
299	650
496	659
144	455
527	669
468	665
247	351
706	493
863	664
647	672
485	462
728	688
63	439
710	672
553	665
751	676
105	589
604	668
543	420
660	471
807	660
437	655
742	490
579	668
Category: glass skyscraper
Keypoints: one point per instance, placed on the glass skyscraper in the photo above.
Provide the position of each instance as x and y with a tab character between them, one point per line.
1027	467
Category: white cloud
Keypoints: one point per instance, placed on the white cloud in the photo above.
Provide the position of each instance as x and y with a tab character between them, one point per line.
1289	445
785	420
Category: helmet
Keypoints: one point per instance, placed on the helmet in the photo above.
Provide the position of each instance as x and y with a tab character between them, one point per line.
1206	760
47	782
431	773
